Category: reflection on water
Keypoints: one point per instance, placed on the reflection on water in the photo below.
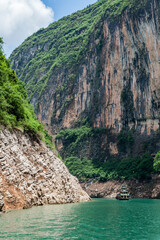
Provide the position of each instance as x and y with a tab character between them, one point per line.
100	219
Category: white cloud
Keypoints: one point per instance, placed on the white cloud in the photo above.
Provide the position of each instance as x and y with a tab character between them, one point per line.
21	18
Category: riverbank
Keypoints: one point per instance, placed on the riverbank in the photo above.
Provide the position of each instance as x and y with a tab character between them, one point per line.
138	189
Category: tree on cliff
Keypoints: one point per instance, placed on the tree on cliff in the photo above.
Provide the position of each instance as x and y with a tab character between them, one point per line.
156	163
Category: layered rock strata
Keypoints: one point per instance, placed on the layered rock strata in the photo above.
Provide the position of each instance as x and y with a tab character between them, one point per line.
30	174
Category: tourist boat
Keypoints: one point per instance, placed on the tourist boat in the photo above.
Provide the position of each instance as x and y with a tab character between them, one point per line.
123	194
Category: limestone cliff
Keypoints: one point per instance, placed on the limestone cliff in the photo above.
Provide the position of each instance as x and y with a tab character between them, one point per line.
125	91
30	174
114	82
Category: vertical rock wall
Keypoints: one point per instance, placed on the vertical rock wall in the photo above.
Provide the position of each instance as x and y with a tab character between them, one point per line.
118	83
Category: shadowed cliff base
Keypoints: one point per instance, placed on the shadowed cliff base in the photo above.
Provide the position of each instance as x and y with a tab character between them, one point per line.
138	189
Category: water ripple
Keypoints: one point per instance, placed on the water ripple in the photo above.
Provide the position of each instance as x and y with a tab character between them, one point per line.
100	219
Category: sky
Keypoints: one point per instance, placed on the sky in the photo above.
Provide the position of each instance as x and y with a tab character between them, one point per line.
65	7
21	18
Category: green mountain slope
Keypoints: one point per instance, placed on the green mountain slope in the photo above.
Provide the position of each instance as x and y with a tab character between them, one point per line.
15	110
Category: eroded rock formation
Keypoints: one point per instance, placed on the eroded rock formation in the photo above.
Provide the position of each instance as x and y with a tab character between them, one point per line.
30	174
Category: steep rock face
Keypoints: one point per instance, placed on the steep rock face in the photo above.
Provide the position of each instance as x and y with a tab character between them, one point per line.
116	84
30	174
125	90
131	72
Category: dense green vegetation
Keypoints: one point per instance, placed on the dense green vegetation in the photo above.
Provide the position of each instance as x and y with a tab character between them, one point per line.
125	140
77	139
15	110
64	43
156	164
74	138
127	168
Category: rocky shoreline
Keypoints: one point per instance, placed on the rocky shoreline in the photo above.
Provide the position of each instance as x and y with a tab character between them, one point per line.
31	175
138	189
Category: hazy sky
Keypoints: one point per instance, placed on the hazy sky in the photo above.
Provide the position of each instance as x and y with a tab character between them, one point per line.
20	18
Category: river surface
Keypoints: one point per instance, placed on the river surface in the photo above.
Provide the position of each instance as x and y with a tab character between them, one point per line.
100	219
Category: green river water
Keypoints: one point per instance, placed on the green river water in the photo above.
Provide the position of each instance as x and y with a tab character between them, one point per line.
99	219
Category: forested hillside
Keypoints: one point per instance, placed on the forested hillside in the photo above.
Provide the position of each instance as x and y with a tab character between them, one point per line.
15	109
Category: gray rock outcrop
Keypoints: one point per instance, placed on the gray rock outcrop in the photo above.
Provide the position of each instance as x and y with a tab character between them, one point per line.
30	174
